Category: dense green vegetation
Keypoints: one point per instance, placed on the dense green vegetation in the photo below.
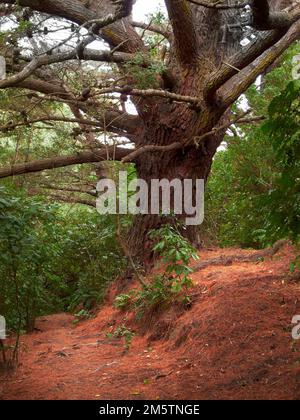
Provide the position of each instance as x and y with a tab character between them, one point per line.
253	195
52	258
173	282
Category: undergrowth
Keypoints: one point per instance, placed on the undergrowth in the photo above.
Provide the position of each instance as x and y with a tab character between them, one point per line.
173	284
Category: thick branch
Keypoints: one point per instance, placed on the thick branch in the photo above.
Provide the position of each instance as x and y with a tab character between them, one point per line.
63	161
195	142
12	126
69	9
72	200
76	11
151	93
184	30
111	119
239	61
242	81
46	60
263	18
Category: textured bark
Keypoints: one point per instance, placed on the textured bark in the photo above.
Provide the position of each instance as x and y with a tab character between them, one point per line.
168	123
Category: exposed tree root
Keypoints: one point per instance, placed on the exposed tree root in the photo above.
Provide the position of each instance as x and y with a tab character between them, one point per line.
253	257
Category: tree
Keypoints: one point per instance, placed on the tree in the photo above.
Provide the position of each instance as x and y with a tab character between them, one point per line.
182	81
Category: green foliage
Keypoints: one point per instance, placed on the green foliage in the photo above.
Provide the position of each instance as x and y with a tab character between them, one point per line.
52	259
175	252
25	228
283	129
145	77
125	301
89	258
295	265
123	332
82	315
253	195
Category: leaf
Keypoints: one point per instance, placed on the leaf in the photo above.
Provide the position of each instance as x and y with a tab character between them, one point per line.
292	267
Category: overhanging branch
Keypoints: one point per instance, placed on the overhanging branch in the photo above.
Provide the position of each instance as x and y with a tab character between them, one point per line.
93	156
194	142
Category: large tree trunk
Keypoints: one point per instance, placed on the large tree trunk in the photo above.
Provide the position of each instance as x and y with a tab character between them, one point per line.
169	123
188	164
166	123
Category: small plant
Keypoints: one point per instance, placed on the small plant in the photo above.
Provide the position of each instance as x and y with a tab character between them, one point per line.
82	315
123	332
125	301
295	265
175	252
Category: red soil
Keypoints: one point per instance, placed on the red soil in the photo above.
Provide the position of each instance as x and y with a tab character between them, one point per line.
233	343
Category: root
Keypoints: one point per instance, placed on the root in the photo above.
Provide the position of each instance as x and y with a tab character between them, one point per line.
254	257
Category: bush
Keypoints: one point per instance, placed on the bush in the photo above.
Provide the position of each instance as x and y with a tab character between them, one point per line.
175	252
123	332
52	259
253	194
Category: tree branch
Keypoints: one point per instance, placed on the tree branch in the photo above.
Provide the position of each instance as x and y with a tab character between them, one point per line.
69	189
159	29
181	18
75	11
195	142
112	119
72	200
63	161
77	53
239	61
150	93
242	81
53	118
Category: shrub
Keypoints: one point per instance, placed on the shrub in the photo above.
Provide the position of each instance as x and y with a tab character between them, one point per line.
123	332
175	253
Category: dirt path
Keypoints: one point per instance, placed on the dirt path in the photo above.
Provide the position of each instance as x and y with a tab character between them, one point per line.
234	343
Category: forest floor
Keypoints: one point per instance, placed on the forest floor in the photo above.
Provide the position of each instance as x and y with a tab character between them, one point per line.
234	342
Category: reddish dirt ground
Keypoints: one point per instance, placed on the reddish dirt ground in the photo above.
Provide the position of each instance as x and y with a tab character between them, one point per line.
233	343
